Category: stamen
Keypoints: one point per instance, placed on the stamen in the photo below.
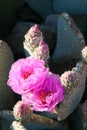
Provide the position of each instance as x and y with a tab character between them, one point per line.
26	75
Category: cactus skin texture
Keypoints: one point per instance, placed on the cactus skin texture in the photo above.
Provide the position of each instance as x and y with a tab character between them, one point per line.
6	59
73	97
83	109
17	126
69	80
32	39
42	51
38	122
23	114
70	41
75	84
84	55
75	121
22	111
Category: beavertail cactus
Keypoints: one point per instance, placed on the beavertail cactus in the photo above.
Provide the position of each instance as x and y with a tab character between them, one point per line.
72	97
43	93
84	54
70	41
6	59
74	80
84	114
32	39
51	21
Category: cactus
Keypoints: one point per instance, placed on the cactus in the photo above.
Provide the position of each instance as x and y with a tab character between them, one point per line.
6	59
42	51
70	41
32	39
81	21
6	118
69	80
34	44
46	8
17	126
84	55
51	21
22	112
37	122
83	113
73	97
75	121
72	80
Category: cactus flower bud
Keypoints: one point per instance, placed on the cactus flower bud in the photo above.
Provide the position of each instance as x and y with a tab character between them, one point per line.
22	112
16	125
32	38
84	54
42	51
69	79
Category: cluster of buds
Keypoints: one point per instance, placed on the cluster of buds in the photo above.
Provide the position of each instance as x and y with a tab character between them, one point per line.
32	38
78	68
22	112
69	79
84	55
42	51
35	45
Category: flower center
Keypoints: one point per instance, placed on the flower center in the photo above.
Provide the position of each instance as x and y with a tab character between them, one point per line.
26	75
43	96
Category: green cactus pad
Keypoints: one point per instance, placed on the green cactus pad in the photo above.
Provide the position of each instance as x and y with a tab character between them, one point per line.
7	119
70	41
6	59
73	97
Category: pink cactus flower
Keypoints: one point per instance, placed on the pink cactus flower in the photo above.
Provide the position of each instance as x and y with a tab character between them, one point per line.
47	95
26	74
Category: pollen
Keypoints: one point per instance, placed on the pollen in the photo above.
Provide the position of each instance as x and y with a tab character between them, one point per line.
26	75
43	96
